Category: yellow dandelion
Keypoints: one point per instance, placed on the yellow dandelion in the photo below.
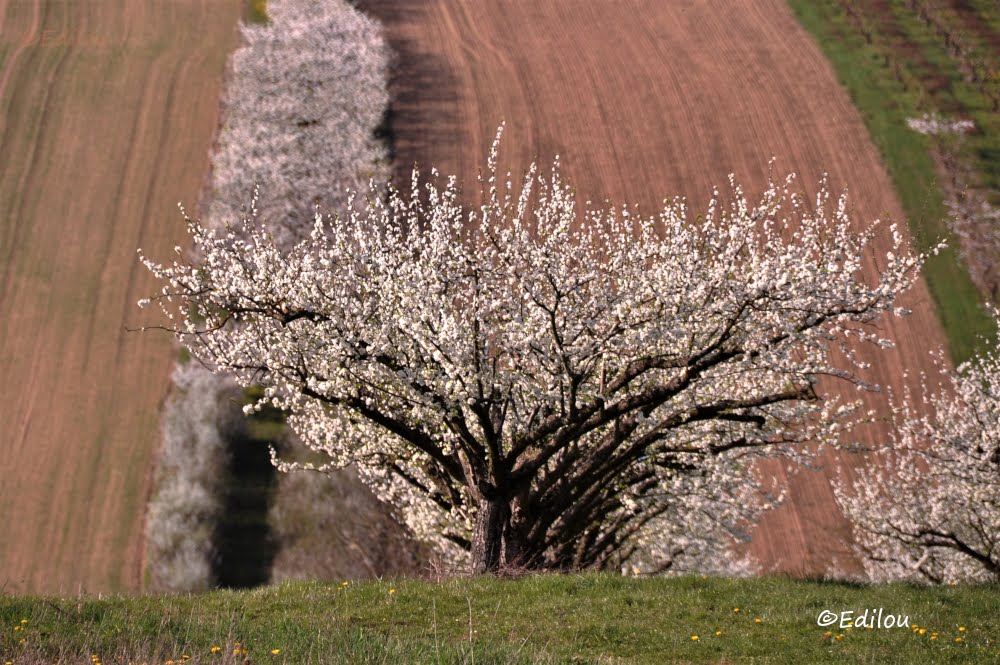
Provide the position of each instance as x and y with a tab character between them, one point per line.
958	639
215	649
694	638
934	637
923	631
23	641
170	662
736	609
17	628
184	656
24	622
961	629
828	634
718	632
392	591
839	637
758	620
344	583
275	651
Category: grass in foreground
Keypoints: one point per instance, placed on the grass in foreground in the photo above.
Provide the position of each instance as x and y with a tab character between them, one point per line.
541	619
885	104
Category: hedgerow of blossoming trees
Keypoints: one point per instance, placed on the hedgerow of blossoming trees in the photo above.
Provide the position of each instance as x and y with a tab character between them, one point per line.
930	511
304	96
534	386
306	92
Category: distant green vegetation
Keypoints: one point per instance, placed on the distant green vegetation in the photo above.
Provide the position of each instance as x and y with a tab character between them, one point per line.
257	11
892	77
543	619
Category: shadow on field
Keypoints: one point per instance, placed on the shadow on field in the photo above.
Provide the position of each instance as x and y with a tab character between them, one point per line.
423	89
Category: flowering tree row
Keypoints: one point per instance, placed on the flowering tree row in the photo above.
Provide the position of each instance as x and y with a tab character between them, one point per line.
306	92
538	386
200	418
304	96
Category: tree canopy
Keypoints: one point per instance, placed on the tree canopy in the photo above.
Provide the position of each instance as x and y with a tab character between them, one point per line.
540	386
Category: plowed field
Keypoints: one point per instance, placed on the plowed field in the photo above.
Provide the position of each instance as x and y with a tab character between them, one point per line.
107	113
645	100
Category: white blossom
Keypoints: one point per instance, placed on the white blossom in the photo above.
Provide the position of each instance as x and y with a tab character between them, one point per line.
933	123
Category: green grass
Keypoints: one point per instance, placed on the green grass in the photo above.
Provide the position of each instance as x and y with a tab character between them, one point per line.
559	619
885	105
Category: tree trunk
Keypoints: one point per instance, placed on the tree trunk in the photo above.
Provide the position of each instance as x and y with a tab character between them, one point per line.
487	537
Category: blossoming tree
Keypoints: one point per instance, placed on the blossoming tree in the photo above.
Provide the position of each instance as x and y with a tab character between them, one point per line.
535	386
931	510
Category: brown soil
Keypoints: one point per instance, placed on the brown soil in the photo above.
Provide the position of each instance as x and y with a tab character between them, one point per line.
645	100
107	112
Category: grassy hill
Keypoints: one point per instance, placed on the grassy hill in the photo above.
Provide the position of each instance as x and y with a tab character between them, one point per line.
542	619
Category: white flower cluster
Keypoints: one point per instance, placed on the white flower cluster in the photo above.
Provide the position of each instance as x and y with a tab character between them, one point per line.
537	386
933	124
929	510
305	95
